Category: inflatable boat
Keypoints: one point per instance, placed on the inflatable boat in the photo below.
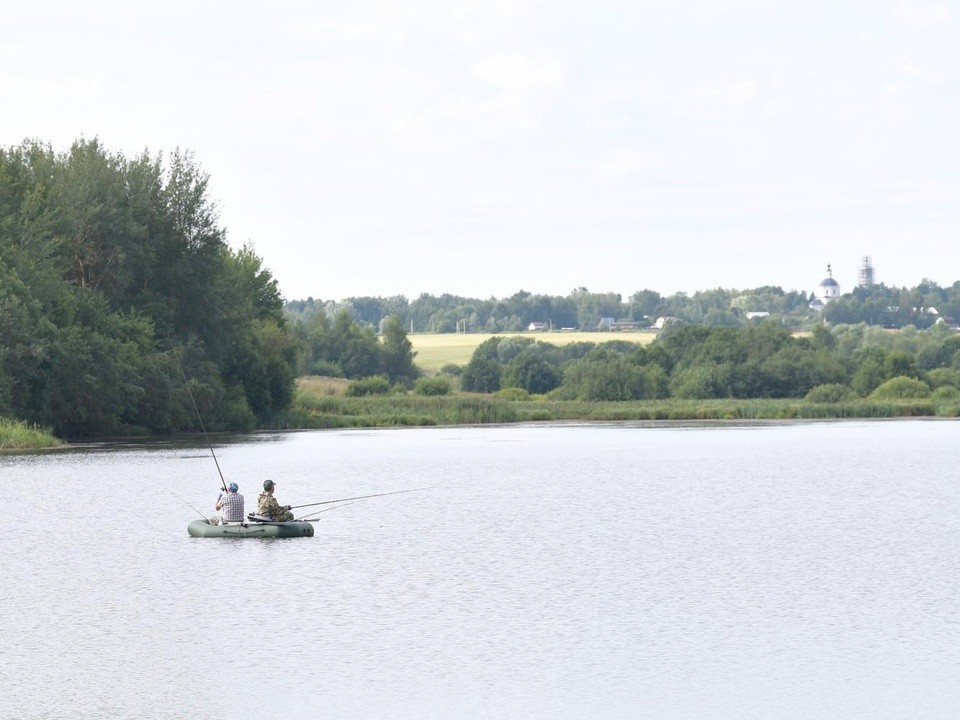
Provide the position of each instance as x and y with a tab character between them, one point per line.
255	526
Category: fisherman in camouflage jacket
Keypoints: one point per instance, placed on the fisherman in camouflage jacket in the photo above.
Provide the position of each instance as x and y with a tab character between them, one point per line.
267	504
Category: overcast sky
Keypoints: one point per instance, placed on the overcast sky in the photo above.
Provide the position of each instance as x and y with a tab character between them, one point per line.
481	148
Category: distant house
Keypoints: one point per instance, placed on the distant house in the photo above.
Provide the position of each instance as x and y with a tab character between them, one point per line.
662	322
626	325
757	315
536	326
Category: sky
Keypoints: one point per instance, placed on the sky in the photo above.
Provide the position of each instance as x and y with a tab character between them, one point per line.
482	148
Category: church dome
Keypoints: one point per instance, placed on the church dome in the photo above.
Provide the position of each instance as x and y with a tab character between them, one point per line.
829	288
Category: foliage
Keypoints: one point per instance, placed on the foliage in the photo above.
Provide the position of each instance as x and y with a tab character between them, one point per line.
113	271
607	375
344	348
830	393
433	386
396	353
946	392
883	307
376	385
943	377
512	393
531	371
18	435
901	387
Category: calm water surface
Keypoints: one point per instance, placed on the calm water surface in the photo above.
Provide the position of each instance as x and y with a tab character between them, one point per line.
785	571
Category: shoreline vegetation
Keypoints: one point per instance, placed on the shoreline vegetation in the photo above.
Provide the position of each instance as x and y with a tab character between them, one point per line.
17	435
322	403
128	314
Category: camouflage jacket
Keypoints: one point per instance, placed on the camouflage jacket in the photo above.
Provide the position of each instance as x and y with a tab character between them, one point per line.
267	505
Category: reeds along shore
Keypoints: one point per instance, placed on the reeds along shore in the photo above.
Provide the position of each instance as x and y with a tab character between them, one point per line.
315	410
17	435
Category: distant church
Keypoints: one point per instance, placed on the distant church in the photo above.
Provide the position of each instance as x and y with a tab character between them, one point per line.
828	290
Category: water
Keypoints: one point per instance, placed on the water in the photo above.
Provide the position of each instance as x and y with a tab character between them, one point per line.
784	571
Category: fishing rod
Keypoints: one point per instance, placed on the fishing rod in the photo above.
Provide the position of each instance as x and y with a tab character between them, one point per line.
186	503
186	384
359	497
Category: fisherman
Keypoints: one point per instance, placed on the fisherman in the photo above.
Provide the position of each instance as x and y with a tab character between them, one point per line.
231	504
268	506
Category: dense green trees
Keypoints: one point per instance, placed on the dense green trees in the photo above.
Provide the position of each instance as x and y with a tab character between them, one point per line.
345	348
112	270
700	362
921	307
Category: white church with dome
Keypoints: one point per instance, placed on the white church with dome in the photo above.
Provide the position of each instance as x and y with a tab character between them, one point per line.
828	290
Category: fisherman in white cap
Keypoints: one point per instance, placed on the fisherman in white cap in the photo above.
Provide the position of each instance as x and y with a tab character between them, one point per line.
231	504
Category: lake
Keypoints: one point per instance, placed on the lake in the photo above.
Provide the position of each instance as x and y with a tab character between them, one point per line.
792	570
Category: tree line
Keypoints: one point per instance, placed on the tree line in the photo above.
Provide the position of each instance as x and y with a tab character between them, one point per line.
832	363
121	302
888	307
122	306
123	310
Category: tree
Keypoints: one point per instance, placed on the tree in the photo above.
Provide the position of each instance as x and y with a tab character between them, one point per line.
106	264
483	372
397	353
532	372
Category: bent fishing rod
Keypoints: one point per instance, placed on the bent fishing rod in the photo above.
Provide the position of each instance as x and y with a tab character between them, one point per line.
359	497
186	384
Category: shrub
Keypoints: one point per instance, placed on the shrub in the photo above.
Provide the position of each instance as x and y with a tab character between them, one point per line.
941	377
432	386
946	400
946	392
481	374
512	393
901	387
831	393
451	369
325	368
376	385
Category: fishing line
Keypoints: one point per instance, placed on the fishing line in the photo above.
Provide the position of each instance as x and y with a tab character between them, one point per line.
186	503
359	497
317	512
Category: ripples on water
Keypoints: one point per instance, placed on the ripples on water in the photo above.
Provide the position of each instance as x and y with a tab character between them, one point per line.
785	571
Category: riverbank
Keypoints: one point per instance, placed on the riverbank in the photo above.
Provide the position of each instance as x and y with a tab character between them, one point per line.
321	405
17	435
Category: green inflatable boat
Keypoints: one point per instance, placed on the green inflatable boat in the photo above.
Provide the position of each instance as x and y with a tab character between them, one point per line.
251	529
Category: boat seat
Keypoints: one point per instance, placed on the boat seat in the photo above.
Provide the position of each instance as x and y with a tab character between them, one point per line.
253	517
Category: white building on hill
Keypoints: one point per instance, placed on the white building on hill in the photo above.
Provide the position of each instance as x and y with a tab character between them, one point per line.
828	290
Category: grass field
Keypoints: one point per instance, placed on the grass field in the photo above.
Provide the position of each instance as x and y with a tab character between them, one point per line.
436	350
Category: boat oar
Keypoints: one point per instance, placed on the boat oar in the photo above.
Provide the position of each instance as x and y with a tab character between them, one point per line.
359	497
